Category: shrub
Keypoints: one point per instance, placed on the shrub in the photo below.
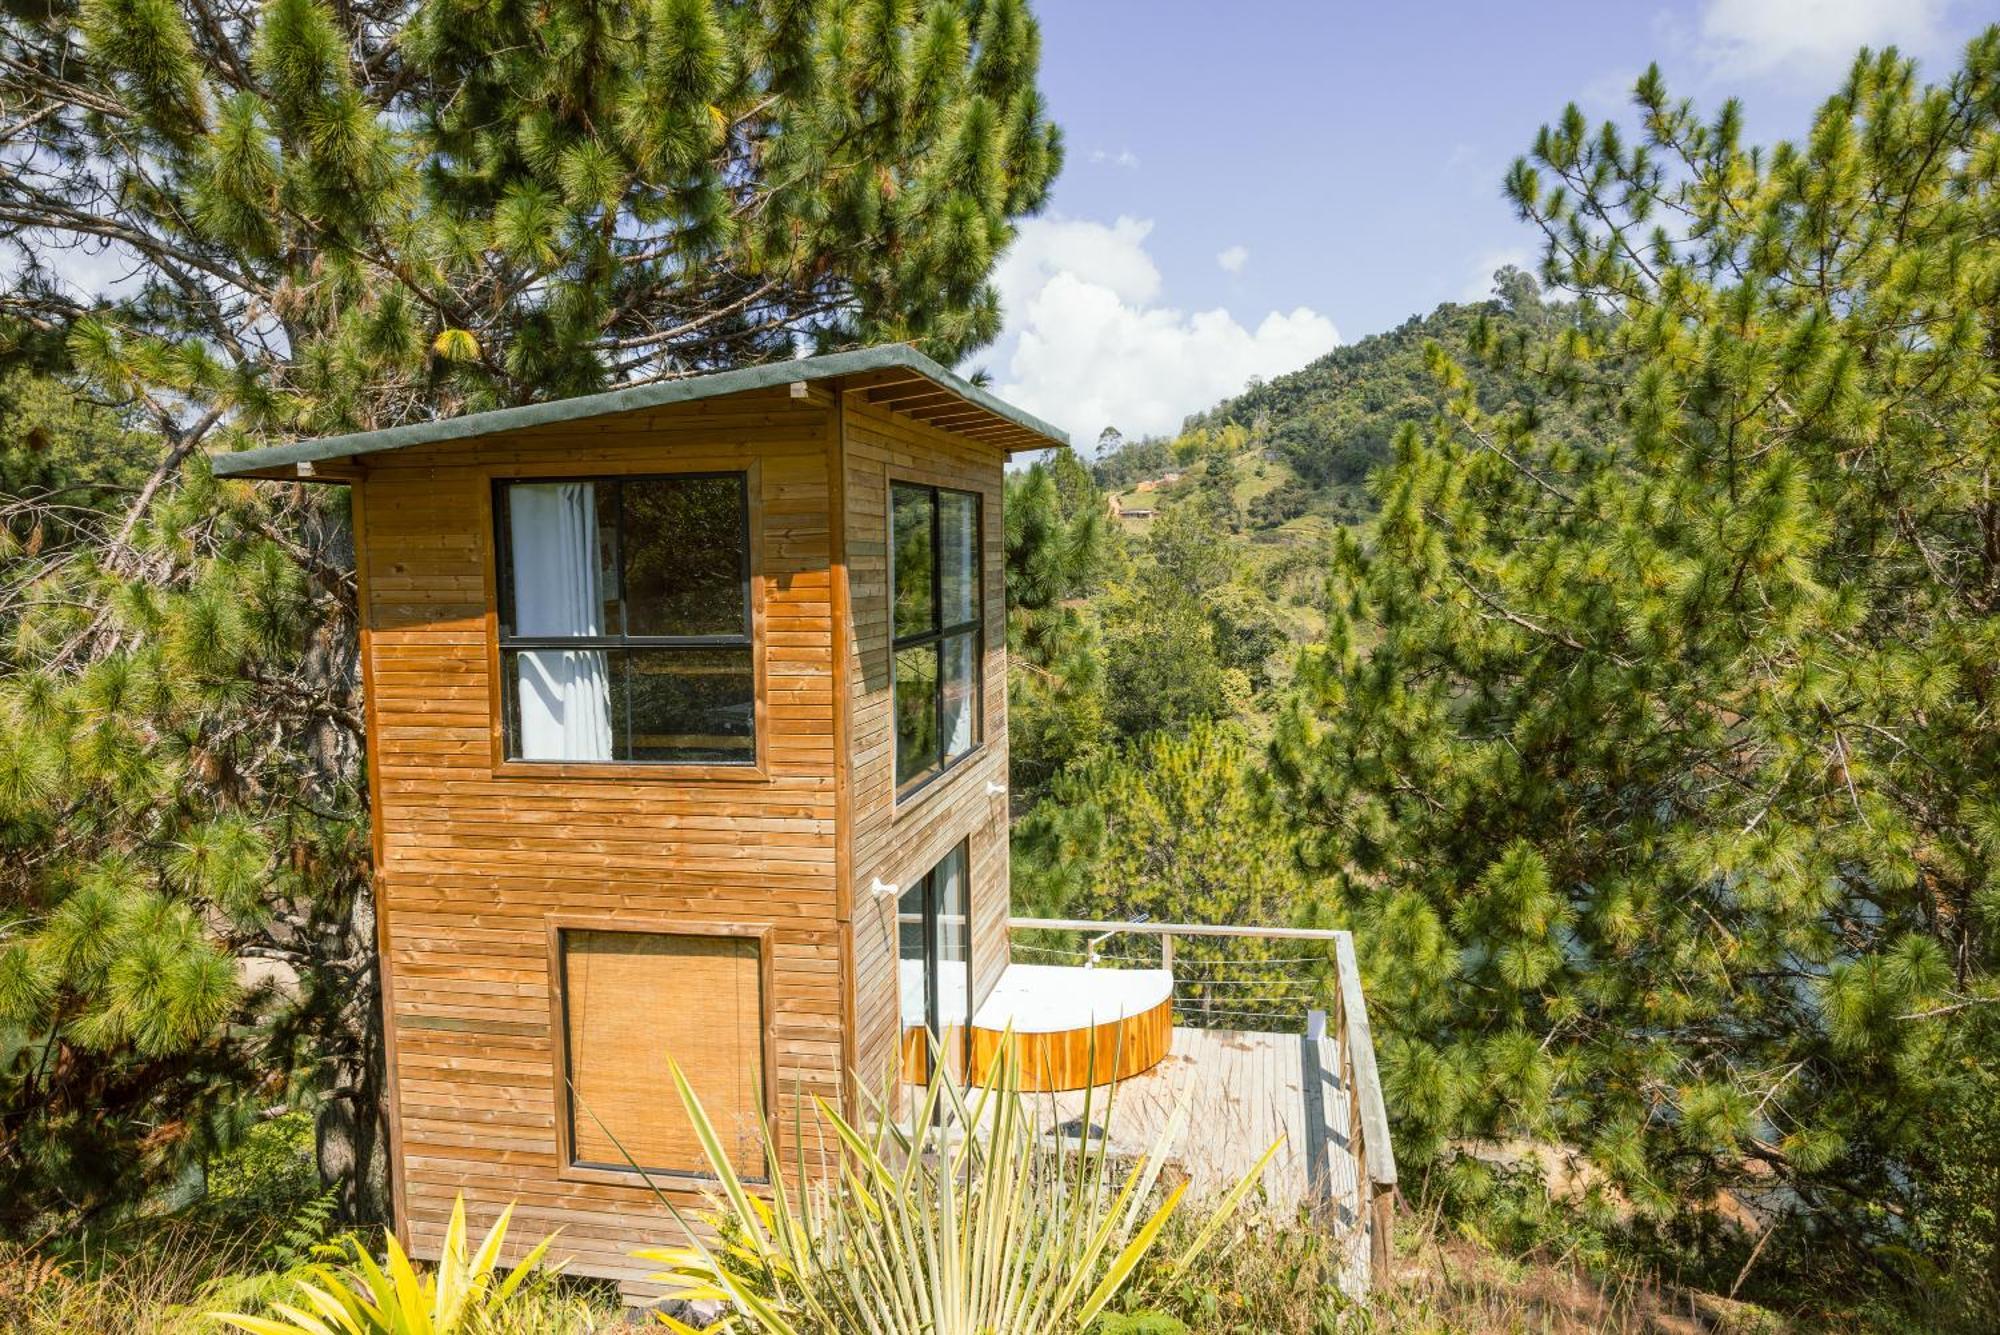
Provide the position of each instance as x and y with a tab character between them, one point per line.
458	1297
979	1225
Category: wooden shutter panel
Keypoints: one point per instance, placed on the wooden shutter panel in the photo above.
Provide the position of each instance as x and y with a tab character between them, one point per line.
632	998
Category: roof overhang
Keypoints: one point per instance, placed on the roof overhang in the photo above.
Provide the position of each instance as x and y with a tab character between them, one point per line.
894	376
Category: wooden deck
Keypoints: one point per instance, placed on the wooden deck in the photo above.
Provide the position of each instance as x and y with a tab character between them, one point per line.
1243	1091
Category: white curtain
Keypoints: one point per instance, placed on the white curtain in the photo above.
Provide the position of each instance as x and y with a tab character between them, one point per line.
954	931
956	663
565	694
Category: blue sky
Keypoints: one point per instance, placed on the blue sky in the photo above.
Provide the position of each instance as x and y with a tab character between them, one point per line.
1248	183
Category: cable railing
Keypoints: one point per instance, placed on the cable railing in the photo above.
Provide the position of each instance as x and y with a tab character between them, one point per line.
1288	979
1267	979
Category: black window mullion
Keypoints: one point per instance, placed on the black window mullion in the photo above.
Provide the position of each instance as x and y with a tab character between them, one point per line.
619	642
618	561
743	571
977	681
937	629
937	561
503	550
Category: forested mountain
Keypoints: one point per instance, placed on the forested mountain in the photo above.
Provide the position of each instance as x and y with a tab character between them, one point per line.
1169	586
1208	563
1328	425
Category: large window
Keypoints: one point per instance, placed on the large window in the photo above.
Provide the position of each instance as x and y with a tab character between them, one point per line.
936	593
631	1000
625	619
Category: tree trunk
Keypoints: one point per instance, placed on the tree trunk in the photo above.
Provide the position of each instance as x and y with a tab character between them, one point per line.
351	1138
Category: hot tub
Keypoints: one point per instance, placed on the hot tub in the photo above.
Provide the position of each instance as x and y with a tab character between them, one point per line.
1074	1027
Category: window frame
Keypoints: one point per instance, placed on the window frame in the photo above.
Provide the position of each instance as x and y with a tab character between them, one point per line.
499	598
930	920
567	1167
905	789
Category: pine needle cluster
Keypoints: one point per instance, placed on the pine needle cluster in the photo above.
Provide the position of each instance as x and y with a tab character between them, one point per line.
177	796
350	215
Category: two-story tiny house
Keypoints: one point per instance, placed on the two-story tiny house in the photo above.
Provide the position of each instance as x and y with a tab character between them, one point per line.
687	722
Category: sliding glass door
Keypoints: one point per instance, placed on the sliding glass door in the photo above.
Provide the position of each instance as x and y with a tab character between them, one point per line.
934	944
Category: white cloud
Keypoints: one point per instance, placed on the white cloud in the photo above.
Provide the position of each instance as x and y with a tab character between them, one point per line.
1113	257
1233	259
1093	346
1124	157
90	270
1811	39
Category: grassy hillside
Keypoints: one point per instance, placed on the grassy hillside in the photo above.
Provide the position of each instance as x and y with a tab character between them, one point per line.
1284	466
1321	429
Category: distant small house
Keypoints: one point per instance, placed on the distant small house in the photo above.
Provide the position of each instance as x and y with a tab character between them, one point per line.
1141	513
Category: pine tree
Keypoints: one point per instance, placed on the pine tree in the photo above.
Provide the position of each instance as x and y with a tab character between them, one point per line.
169	806
1058	553
1664	761
345	216
1177	827
1167	657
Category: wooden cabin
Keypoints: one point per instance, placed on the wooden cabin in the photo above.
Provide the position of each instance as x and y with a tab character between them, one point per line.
687	731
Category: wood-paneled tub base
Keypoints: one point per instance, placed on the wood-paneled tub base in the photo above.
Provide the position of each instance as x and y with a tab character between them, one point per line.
1071	1028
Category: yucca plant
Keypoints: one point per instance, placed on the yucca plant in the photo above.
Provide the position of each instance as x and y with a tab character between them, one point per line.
970	1224
458	1297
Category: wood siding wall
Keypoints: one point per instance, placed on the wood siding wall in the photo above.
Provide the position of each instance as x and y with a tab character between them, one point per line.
475	857
894	842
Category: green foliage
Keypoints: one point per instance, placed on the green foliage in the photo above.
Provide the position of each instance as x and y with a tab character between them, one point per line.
1127	461
462	1295
1175	828
1956	1174
1264	1275
1660	758
142	812
267	1184
1141	1323
1183	643
51	440
1229	575
1057	556
463	205
986	1228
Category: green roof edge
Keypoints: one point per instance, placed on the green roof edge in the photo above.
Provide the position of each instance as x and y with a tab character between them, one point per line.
688	390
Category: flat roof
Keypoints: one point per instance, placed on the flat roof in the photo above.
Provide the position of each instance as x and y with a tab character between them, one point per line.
895	376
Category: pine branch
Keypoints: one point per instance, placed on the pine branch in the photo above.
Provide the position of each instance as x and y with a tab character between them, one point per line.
1951	1009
